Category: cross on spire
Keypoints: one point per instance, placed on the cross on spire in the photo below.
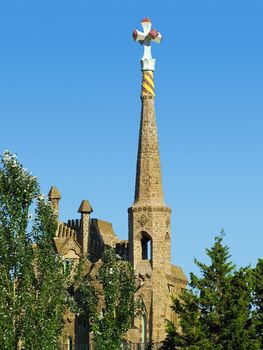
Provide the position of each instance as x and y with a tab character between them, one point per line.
145	38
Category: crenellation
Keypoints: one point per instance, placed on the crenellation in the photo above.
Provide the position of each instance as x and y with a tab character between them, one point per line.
66	230
122	249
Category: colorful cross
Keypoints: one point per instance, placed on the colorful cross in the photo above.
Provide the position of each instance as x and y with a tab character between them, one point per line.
145	38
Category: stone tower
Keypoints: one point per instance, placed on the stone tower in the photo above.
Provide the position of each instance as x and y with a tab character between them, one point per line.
148	246
149	216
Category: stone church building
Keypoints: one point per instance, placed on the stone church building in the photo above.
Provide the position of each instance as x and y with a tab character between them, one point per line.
148	247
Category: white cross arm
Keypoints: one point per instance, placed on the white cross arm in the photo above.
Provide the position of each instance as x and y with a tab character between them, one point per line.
141	37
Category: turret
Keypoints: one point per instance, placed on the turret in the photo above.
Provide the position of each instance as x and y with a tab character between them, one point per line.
54	197
85	209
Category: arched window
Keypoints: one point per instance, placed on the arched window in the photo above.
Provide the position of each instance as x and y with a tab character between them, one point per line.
146	243
167	236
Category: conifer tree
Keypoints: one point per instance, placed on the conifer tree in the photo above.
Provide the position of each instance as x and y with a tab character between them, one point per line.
258	302
216	312
33	289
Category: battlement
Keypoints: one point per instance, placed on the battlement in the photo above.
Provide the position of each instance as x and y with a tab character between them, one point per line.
122	249
70	229
98	238
74	224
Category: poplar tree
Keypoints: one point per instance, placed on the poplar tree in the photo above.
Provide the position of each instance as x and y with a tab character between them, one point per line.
215	313
33	289
107	300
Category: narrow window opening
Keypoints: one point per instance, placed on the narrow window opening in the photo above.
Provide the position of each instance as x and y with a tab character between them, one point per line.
146	243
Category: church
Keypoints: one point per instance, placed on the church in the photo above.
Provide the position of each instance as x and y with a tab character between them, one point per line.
148	247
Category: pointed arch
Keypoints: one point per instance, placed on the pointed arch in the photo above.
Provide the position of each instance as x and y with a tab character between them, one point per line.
167	236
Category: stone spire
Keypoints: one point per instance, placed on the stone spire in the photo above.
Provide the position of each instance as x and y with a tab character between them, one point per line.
148	188
149	217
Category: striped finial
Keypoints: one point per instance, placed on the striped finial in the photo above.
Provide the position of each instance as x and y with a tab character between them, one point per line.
147	84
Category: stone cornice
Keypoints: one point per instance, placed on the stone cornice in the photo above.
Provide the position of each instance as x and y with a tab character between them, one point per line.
149	208
175	280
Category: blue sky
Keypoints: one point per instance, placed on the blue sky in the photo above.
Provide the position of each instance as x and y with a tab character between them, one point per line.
70	107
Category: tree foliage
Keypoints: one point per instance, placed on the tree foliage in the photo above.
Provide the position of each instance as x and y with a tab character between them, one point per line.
108	301
217	311
33	289
258	302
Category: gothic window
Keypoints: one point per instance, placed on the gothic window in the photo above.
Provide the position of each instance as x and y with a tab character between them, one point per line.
146	244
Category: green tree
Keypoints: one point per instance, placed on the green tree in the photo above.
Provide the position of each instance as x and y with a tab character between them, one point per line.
33	289
107	299
216	312
257	315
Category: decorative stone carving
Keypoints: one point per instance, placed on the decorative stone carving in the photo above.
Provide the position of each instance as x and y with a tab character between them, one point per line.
148	208
143	220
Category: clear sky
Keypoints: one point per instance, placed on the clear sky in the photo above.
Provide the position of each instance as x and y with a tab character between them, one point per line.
70	108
